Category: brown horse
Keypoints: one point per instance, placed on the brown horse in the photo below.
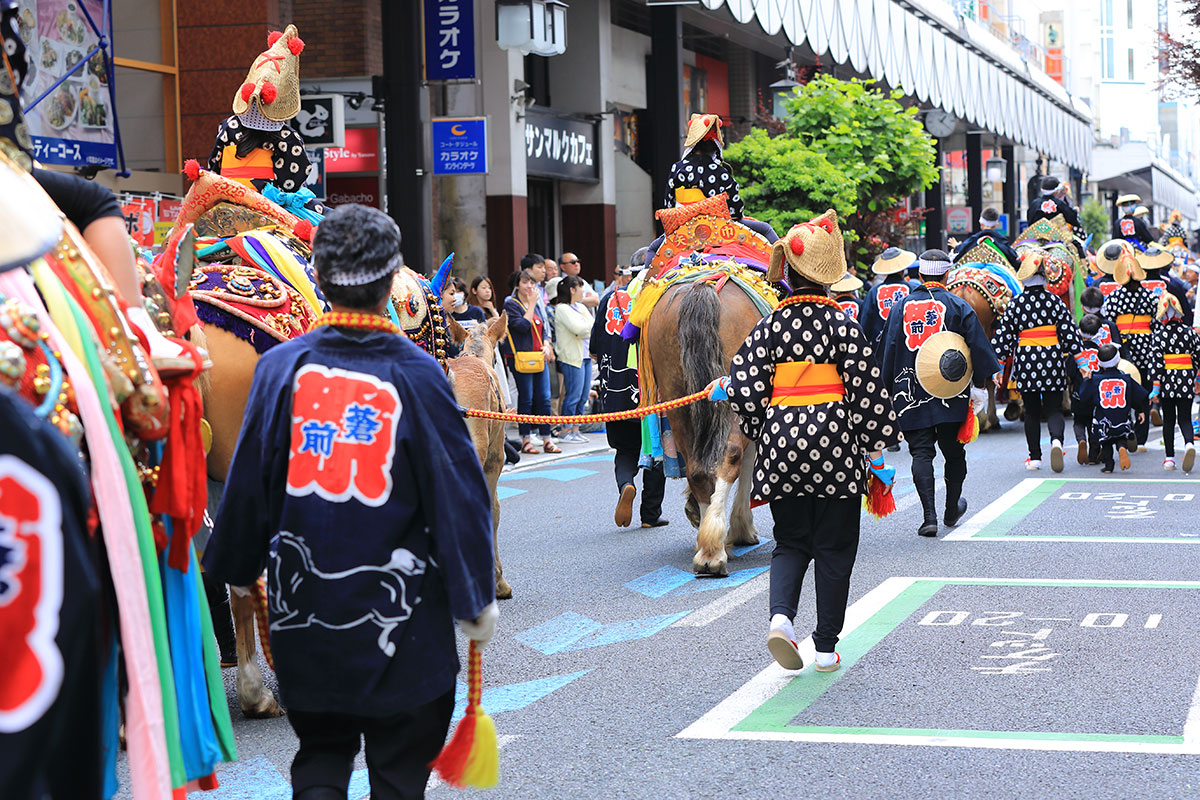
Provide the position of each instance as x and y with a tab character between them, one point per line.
690	339
988	296
476	385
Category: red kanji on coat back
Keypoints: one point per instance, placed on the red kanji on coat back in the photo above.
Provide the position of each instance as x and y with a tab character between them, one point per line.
889	295
1112	393
343	435
922	319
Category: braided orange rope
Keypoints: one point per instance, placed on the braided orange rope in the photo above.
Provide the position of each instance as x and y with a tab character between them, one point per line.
583	419
260	618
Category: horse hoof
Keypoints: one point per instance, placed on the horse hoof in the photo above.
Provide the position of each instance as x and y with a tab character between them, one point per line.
503	590
710	568
691	510
268	708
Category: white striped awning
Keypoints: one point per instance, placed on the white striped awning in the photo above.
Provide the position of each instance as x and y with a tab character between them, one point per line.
923	48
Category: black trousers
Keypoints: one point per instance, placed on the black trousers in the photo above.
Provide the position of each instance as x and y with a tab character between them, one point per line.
817	529
1176	410
1035	403
625	436
399	749
1107	447
921	443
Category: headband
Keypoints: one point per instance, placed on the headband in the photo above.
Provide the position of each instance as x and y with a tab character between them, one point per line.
1112	362
933	267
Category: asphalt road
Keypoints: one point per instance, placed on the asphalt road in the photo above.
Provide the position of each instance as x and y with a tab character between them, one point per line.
1058	659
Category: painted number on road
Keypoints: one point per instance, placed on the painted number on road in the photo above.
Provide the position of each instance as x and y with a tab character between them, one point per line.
1125	506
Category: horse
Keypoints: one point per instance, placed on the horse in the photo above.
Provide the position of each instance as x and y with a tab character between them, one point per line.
690	339
988	288
476	385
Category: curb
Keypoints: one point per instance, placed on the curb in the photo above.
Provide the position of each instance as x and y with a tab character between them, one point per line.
533	462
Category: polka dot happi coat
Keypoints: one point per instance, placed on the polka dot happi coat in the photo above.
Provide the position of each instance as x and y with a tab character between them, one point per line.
1175	338
818	450
288	157
710	175
1138	348
1042	368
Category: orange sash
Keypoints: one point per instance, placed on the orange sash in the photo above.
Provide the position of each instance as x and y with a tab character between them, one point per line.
256	166
1177	361
1041	336
1133	323
804	383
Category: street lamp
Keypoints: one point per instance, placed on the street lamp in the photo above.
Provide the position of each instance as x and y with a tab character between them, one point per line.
783	88
996	167
532	26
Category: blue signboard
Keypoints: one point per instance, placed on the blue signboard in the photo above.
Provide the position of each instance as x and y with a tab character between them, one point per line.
460	146
449	40
1002	228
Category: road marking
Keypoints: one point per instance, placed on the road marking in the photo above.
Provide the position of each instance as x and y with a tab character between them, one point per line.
571	631
513	697
503	492
710	613
753	712
561	474
674	581
253	779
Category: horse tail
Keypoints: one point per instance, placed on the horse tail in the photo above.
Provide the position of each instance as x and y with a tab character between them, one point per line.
702	361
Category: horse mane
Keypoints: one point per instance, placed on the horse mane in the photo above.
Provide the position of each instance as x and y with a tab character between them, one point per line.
701	358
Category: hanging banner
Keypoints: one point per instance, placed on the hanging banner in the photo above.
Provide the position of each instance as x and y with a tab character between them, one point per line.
73	125
139	219
449	40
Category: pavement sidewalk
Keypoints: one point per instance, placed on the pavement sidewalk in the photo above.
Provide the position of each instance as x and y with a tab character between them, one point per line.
598	444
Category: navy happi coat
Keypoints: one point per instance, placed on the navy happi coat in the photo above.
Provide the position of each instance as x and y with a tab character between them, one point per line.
878	304
1112	398
928	310
355	484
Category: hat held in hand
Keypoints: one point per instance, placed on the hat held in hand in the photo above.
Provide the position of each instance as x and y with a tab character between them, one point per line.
813	249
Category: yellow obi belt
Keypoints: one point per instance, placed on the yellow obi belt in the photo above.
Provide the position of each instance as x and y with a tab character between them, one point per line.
256	166
1041	336
804	383
1133	323
1177	361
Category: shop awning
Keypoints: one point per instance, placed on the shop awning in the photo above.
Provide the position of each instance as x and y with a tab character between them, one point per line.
1133	168
923	48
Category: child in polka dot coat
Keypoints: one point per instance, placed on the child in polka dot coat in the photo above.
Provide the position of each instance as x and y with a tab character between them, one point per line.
809	394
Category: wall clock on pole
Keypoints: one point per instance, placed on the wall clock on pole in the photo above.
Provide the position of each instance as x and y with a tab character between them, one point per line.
939	123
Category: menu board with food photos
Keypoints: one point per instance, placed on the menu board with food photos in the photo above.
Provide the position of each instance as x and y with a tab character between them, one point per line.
74	124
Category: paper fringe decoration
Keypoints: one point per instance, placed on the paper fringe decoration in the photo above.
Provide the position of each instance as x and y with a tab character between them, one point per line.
880	502
472	756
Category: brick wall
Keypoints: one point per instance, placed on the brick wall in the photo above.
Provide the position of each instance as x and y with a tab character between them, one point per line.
343	37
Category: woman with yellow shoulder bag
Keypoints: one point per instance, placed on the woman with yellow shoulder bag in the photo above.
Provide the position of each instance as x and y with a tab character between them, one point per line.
530	352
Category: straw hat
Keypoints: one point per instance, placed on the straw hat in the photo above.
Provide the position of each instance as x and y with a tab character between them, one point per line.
1155	257
1032	263
893	260
30	224
1168	303
1128	198
1110	253
944	365
702	126
848	283
1141	211
274	79
1129	369
813	249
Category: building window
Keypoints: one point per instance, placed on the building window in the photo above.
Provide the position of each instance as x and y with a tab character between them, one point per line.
1129	14
1107	68
1131	63
1106	13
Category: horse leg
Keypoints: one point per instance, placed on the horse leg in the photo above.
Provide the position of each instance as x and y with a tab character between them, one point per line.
492	472
256	700
710	557
741	520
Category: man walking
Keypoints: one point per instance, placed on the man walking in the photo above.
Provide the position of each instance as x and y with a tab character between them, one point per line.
619	392
933	348
356	486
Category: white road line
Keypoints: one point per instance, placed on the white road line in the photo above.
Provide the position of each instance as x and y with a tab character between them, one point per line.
1191	728
762	687
993	510
956	741
711	612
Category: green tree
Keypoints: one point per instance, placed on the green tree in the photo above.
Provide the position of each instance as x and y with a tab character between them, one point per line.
1096	221
863	152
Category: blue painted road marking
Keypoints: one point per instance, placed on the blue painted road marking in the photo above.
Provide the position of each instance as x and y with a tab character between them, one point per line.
515	696
507	491
254	779
571	631
672	581
562	475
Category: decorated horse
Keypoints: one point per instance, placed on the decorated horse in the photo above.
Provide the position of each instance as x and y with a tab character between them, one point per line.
705	292
1052	239
988	287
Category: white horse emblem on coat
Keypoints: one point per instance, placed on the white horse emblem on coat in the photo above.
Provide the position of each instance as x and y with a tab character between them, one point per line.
292	564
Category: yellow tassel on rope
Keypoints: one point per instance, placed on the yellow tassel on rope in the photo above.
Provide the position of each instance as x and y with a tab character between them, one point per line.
472	756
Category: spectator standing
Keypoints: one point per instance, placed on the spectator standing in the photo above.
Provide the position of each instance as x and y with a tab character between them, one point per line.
527	333
573	323
570	266
482	295
619	392
454	300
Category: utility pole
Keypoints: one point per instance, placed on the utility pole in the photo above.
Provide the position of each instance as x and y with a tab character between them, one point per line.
407	186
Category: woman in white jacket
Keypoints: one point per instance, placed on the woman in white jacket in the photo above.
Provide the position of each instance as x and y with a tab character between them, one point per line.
572	325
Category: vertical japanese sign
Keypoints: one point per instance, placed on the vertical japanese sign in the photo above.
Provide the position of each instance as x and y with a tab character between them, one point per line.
460	146
449	39
74	123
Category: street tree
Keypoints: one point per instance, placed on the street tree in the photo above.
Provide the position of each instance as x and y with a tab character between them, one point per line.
1179	55
845	145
